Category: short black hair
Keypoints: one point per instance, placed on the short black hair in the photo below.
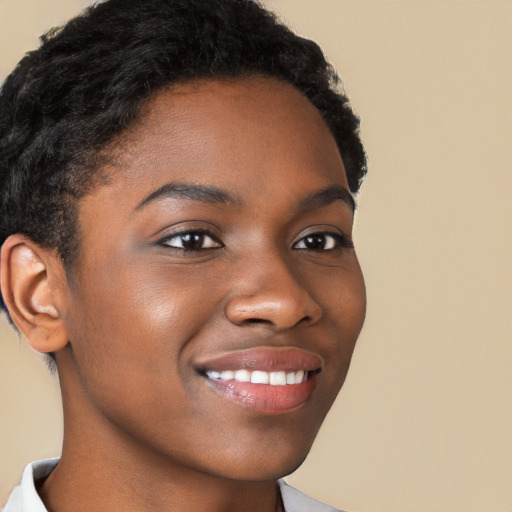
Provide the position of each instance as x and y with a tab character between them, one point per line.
67	101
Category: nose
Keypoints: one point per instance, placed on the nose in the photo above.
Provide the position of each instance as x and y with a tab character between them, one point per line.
269	293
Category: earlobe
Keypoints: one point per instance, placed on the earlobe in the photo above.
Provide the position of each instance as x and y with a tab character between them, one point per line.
30	280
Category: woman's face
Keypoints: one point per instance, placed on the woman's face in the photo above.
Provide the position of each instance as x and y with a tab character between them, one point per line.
218	259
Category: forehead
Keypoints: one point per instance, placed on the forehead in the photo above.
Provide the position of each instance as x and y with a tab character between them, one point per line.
221	130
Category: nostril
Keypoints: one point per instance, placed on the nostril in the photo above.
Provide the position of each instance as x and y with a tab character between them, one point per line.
305	320
256	321
266	321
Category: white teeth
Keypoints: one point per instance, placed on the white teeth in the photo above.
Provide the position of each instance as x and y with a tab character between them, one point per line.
259	377
243	376
277	378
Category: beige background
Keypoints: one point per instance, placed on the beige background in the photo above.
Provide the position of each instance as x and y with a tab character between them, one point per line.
425	419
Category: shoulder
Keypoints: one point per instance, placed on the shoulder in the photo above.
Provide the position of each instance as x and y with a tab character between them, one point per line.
24	497
296	501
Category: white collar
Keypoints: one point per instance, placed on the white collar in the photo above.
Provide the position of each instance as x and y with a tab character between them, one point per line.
24	497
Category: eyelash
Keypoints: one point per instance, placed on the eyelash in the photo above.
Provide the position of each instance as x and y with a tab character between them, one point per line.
198	232
337	241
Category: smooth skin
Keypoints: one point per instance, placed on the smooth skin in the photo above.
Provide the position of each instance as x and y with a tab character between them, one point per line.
269	263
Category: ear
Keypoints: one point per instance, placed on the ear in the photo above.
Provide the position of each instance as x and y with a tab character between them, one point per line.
33	282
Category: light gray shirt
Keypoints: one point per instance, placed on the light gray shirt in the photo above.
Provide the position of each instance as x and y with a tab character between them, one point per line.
24	497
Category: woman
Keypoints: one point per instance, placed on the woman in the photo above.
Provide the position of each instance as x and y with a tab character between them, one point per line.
177	208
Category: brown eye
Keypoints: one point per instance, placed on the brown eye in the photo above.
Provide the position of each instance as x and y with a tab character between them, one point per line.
318	242
322	242
191	241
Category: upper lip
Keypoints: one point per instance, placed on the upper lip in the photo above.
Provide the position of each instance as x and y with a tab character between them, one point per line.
269	359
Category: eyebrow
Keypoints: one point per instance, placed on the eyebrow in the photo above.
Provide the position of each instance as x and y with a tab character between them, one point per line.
203	193
214	195
327	196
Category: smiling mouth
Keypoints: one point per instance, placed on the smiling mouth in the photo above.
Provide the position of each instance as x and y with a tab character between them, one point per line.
280	378
266	380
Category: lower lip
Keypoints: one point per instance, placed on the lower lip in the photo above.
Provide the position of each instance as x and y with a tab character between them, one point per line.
264	398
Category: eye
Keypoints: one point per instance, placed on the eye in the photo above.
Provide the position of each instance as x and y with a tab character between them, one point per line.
192	241
323	242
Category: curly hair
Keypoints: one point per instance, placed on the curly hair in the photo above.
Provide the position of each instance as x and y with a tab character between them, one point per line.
74	96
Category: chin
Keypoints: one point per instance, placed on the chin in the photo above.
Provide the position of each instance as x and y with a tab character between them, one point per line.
262	462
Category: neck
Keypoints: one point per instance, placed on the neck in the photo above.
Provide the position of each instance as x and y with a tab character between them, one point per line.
75	489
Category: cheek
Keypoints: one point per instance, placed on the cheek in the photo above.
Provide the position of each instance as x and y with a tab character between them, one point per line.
342	296
344	305
129	344
352	304
134	296
130	324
